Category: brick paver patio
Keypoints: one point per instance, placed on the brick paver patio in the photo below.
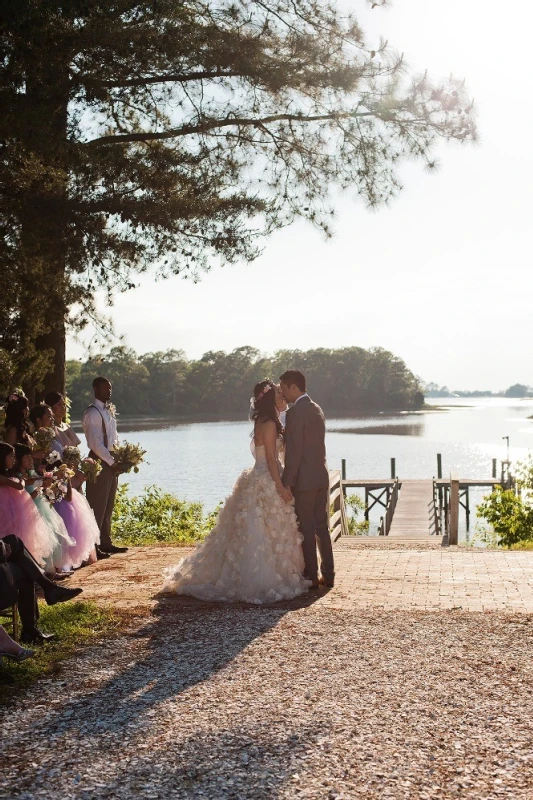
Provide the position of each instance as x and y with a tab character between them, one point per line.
430	578
370	573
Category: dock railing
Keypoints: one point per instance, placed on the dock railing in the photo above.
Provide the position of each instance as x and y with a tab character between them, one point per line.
338	522
436	517
386	521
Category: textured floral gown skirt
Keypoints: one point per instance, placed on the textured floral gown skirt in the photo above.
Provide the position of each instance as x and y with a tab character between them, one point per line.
253	554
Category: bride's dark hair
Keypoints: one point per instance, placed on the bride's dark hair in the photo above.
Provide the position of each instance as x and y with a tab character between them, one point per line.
264	404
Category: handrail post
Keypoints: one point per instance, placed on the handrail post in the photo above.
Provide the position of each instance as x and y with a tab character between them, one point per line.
393	468
454	509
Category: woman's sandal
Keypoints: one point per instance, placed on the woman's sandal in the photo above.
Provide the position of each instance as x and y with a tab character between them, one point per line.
22	655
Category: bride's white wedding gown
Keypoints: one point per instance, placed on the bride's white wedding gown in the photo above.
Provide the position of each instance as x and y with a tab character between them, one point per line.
254	552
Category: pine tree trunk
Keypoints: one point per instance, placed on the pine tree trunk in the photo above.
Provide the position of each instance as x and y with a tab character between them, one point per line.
44	228
54	380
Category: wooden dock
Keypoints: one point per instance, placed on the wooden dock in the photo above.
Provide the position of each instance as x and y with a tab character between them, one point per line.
412	509
414	515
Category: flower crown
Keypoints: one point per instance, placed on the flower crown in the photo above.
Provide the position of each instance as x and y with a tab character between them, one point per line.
14	396
261	394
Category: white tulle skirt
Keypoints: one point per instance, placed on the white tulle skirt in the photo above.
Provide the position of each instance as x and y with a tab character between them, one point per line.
252	555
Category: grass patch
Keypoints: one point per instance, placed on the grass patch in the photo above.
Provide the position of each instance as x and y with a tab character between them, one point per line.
156	517
526	544
74	624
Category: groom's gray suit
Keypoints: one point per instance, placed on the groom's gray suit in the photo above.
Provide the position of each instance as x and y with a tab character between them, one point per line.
307	475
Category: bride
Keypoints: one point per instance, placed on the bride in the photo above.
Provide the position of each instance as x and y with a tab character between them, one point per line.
254	552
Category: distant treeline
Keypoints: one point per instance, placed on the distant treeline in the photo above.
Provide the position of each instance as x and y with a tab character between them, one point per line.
516	390
168	383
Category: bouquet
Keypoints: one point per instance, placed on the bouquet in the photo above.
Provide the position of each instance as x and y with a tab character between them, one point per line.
52	457
129	456
43	439
72	456
55	484
90	467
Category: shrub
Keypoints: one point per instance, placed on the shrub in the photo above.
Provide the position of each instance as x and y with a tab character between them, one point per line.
510	515
158	516
354	505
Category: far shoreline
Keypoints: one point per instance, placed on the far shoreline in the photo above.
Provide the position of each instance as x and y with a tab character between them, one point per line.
152	421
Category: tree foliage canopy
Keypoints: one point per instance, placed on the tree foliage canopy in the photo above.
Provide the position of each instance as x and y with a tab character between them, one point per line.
346	381
169	136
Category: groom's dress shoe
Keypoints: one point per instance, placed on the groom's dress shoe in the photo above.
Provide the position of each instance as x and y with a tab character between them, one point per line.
314	584
113	549
36	636
60	594
324	582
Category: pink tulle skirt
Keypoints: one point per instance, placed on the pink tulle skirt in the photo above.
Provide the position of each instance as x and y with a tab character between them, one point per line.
19	516
79	521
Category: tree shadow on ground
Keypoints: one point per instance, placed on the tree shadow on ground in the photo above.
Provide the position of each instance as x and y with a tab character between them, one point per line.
188	642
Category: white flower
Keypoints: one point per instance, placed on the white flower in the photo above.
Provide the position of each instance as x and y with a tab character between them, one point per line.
52	457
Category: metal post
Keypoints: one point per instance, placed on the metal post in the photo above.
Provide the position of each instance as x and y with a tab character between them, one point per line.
393	468
343	469
494	467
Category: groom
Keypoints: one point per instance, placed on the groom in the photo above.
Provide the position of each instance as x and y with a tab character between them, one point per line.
306	474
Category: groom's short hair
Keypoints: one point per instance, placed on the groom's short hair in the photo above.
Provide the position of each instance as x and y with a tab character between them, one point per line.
294	377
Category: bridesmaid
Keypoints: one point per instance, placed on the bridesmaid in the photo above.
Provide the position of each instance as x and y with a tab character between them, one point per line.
18	513
59	560
65	435
41	417
17	428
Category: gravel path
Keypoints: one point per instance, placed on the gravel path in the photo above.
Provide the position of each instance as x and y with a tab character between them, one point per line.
309	702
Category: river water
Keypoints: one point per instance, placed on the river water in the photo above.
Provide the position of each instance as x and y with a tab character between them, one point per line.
201	460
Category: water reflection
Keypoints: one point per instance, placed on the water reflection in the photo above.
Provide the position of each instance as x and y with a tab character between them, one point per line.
415	429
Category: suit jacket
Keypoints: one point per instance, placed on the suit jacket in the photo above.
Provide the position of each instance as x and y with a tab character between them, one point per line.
305	447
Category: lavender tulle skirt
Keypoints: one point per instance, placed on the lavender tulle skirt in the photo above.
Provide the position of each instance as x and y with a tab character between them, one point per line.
80	522
19	516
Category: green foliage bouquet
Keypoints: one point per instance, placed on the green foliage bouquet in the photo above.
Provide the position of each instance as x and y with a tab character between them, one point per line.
91	468
72	456
129	456
43	439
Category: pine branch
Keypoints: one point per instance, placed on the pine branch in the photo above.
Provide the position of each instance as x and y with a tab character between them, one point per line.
208	125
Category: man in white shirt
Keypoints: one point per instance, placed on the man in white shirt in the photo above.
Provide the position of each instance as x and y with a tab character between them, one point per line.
100	427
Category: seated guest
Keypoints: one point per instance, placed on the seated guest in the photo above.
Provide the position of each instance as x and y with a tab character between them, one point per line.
10	649
19	572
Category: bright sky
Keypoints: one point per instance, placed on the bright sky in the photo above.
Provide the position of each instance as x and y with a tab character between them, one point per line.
441	277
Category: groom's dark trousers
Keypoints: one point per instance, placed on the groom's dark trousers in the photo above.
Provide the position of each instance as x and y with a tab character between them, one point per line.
306	473
101	497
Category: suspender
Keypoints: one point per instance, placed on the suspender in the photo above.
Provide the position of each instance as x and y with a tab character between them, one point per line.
104	430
